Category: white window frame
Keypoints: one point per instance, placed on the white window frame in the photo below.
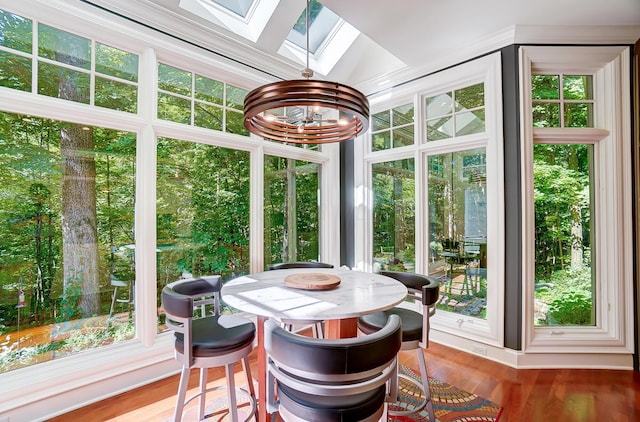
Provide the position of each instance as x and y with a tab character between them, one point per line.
488	71
613	243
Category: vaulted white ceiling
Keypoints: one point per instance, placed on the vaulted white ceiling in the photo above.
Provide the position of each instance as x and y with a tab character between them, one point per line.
401	39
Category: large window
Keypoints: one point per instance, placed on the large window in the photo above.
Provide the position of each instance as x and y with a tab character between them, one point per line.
577	261
202	212
68	198
66	227
291	210
564	286
436	194
394	215
457	198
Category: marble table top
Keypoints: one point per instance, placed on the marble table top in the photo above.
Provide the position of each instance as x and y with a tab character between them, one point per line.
358	293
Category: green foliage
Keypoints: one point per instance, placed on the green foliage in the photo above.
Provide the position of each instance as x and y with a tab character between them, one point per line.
573	286
291	210
561	184
89	339
203	209
16	356
394	214
571	308
70	298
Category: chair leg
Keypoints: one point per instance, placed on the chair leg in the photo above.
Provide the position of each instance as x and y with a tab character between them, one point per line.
231	392
202	398
113	301
317	330
247	371
425	384
393	386
182	393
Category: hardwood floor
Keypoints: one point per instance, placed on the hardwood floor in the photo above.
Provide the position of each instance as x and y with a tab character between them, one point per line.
566	395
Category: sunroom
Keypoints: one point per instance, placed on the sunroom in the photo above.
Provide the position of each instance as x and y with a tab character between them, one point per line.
503	162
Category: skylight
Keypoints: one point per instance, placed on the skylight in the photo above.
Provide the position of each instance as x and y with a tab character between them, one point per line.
239	7
322	23
330	37
247	18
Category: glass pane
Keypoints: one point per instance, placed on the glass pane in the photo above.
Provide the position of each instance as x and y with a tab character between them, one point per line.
235	123
545	87
577	87
440	128
457	201
174	109
381	120
15	71
439	105
65	229
321	23
291	210
381	140
546	114
470	97
403	136
16	32
403	115
202	211
469	122
114	62
565	286
64	47
209	90
174	80
208	116
239	7
60	82
394	215
578	115
116	95
235	97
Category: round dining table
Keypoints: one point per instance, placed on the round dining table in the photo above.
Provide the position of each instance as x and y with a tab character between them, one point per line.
269	295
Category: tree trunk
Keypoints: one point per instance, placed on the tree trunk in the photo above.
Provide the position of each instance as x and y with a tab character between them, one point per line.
290	207
576	237
79	219
79	233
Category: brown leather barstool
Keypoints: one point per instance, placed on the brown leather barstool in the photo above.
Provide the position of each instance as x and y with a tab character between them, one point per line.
207	341
415	327
311	379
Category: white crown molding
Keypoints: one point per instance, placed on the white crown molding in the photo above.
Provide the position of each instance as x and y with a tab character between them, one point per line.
588	35
515	34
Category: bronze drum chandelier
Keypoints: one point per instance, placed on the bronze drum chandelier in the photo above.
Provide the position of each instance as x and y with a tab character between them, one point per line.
306	111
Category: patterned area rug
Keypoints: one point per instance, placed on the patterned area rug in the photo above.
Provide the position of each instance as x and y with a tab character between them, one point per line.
449	403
